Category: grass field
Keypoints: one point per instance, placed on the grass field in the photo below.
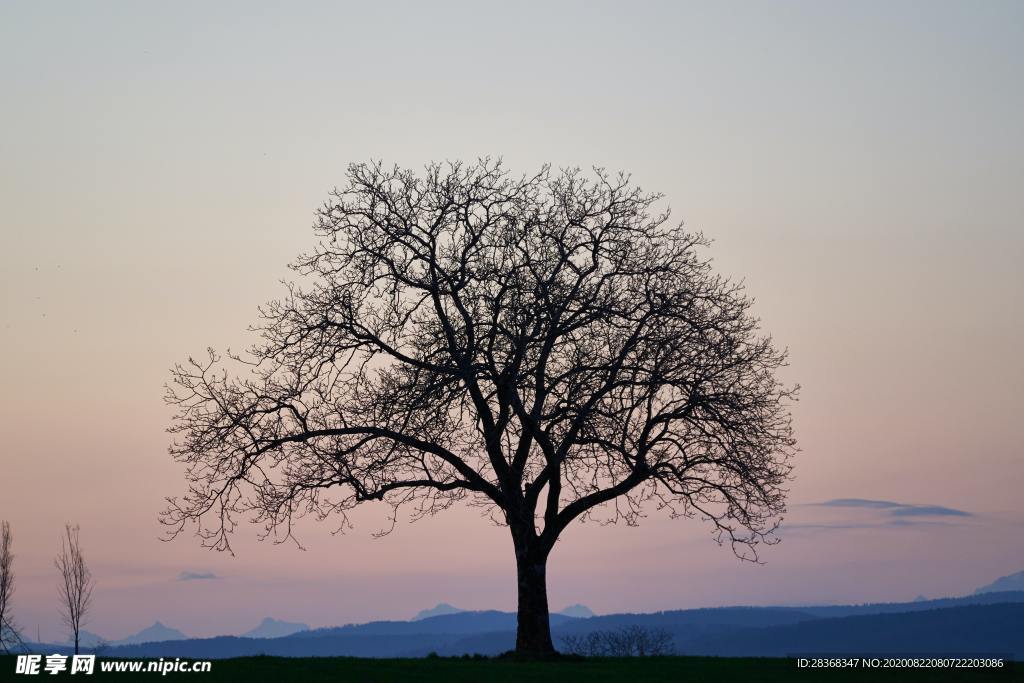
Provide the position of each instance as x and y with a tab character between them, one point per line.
594	670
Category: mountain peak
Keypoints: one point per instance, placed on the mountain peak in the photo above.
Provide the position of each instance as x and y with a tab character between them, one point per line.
442	608
275	628
578	611
152	634
1010	582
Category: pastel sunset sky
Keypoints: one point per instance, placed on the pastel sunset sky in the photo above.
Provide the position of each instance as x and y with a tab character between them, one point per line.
860	165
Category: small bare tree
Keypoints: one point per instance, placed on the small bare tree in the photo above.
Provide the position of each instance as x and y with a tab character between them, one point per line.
9	636
75	588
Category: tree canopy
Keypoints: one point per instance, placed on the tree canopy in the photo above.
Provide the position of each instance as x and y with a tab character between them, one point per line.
546	346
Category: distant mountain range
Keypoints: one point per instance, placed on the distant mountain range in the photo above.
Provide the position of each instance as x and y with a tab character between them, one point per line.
988	621
152	634
443	608
158	632
983	623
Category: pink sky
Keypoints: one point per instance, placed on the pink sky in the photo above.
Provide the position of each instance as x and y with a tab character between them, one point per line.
159	171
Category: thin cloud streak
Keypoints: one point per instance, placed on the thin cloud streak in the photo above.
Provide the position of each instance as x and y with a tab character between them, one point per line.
893	508
196	576
883	514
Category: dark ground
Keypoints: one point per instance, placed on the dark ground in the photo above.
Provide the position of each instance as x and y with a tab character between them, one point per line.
592	670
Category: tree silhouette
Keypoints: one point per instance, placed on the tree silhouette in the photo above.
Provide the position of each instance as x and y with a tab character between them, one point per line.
540	345
9	635
76	583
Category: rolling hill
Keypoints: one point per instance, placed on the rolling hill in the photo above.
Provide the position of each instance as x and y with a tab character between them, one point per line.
988	623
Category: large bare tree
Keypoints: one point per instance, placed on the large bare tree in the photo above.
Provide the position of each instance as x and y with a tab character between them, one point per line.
548	346
76	582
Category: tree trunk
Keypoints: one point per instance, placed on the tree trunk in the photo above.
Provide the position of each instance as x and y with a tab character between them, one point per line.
533	625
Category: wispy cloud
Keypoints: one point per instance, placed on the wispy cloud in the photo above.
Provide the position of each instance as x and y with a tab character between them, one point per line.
789	526
858	503
930	511
880	514
897	509
196	576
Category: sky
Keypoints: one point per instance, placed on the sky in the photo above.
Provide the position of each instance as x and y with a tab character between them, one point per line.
858	164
